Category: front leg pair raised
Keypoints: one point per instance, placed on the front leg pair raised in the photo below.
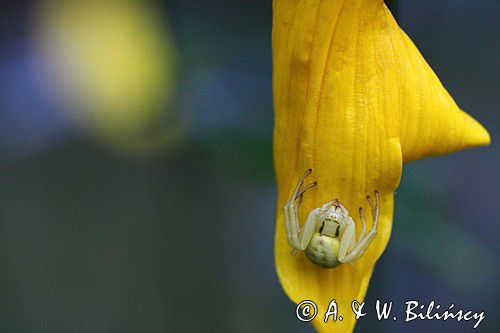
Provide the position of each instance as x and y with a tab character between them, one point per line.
299	238
350	249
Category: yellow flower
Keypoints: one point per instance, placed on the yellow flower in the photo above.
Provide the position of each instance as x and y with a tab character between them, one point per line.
354	99
112	66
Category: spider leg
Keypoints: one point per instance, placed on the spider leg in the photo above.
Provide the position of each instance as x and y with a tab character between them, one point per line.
352	244
300	183
305	188
348	240
308	229
362	216
365	241
375	209
297	238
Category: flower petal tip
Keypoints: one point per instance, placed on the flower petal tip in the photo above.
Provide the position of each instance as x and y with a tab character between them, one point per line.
476	135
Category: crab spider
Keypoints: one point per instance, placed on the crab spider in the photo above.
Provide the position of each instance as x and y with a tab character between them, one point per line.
328	237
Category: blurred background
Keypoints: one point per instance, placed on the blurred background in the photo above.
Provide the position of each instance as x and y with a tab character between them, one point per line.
136	178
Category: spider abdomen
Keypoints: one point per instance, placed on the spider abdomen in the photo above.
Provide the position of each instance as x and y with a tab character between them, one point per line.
323	250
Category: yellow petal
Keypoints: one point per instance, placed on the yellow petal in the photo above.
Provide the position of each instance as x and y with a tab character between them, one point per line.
431	123
353	99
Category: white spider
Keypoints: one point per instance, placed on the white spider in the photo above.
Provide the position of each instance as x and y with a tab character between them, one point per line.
328	237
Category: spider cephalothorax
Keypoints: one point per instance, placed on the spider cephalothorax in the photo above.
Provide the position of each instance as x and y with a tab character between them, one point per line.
328	237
